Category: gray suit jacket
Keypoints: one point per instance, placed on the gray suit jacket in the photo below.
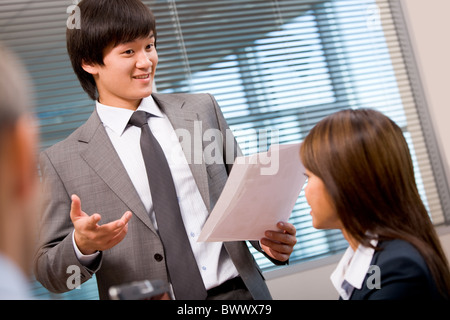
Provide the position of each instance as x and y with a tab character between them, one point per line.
87	164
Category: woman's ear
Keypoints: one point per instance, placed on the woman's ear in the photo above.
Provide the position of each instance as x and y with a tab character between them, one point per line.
91	68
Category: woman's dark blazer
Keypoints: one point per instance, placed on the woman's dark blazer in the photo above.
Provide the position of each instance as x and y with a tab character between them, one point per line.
403	272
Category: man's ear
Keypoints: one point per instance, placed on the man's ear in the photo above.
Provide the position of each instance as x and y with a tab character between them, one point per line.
91	68
24	151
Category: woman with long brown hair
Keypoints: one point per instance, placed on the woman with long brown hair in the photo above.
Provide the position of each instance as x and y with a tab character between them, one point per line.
361	180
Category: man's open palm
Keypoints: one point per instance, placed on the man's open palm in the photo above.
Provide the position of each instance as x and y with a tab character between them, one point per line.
90	236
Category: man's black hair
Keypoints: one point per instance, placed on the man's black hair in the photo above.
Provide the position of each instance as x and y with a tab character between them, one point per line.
102	23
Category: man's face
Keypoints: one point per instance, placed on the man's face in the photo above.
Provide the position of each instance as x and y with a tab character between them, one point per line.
19	191
127	74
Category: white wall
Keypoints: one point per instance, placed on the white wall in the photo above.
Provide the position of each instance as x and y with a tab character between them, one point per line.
428	25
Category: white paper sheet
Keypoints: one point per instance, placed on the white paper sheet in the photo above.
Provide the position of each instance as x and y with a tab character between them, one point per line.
261	190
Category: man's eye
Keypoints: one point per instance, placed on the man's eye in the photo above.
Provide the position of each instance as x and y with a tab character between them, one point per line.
128	51
149	46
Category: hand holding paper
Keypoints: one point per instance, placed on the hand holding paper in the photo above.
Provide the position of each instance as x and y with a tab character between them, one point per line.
280	244
255	197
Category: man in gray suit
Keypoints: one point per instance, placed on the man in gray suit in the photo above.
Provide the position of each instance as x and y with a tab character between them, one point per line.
98	173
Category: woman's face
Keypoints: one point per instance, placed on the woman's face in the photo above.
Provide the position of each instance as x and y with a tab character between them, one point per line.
324	215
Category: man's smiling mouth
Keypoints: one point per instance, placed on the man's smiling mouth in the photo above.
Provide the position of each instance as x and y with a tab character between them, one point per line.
144	76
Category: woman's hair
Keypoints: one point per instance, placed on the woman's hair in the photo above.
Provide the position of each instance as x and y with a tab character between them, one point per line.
104	23
363	159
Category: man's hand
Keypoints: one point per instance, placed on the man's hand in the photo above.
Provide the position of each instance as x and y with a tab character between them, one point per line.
280	244
91	237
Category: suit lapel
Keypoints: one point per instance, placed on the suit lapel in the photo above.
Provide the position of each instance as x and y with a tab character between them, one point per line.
101	156
188	126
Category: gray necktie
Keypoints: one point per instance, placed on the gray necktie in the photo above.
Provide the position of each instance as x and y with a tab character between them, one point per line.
183	271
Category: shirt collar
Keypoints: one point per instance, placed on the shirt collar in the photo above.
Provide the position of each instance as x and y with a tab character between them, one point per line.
352	269
117	118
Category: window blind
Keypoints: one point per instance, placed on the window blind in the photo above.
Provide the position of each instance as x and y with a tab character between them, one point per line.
278	67
36	32
275	67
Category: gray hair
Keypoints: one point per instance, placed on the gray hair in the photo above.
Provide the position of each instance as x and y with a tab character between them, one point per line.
14	88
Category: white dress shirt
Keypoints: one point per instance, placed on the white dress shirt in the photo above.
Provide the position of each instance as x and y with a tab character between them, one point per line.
352	269
13	283
212	259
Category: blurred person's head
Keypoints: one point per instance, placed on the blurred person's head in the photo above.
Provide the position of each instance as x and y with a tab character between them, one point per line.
113	51
18	167
361	180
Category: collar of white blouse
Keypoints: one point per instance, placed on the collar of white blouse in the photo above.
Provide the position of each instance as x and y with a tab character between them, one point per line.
352	269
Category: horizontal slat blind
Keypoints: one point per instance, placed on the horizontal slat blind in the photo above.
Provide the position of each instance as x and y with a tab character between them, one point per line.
278	67
36	31
275	67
